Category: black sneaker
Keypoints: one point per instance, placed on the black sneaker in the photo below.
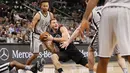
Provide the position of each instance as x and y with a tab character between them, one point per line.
34	68
41	65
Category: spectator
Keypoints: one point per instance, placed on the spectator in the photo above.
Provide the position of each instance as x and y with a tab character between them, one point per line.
11	28
19	38
10	38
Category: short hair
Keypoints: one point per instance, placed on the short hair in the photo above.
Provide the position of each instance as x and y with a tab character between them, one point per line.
42	1
52	19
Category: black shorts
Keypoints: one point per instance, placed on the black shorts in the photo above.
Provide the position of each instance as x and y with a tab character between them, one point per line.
72	53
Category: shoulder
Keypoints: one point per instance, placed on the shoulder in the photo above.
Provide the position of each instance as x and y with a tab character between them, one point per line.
98	8
51	14
62	28
37	15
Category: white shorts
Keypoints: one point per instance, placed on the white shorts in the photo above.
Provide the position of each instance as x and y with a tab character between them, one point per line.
114	29
96	17
4	68
36	43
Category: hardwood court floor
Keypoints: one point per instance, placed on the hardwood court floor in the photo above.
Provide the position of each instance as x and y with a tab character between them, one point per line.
113	67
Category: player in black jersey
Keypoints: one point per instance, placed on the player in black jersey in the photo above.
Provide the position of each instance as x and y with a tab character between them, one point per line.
59	34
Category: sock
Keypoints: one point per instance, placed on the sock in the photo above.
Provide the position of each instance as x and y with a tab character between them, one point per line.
21	71
125	70
60	70
27	67
91	71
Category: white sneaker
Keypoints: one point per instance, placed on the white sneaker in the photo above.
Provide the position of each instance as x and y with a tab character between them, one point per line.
21	71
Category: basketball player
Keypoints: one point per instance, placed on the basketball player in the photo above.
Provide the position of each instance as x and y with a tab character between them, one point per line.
39	25
95	19
59	35
114	29
7	67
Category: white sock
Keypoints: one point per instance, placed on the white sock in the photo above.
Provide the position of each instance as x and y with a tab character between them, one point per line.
27	67
21	71
91	71
125	70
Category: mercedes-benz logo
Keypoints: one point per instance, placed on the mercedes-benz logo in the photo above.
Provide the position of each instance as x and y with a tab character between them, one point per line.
4	54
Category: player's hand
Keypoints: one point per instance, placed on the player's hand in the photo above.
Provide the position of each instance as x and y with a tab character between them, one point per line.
50	38
65	44
30	28
85	25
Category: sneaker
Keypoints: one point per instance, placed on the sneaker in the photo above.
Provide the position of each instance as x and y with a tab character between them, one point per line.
34	68
41	65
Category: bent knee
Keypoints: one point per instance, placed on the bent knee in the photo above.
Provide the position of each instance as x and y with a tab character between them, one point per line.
54	56
12	63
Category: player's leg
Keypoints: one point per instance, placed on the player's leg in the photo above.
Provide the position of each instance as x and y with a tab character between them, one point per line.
123	31
121	60
85	62
122	63
56	62
32	68
50	46
19	65
77	56
34	56
34	46
91	59
129	59
102	65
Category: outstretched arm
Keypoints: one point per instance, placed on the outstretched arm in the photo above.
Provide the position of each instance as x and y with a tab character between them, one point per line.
89	8
84	23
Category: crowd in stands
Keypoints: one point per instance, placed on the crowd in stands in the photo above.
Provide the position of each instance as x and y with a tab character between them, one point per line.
17	32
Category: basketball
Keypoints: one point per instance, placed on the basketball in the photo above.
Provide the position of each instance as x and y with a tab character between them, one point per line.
43	36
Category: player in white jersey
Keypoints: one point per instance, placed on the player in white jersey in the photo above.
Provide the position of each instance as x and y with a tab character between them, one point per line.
39	25
95	20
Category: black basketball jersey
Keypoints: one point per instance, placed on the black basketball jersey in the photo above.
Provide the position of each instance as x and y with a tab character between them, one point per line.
58	34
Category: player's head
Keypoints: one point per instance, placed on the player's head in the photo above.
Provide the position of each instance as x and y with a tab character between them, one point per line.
54	24
44	5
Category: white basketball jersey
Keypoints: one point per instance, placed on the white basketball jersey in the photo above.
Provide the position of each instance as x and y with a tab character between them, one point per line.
95	20
43	23
118	1
122	3
96	16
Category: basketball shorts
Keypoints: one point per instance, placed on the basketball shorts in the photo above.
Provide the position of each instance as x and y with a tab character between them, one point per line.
36	43
114	30
72	53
